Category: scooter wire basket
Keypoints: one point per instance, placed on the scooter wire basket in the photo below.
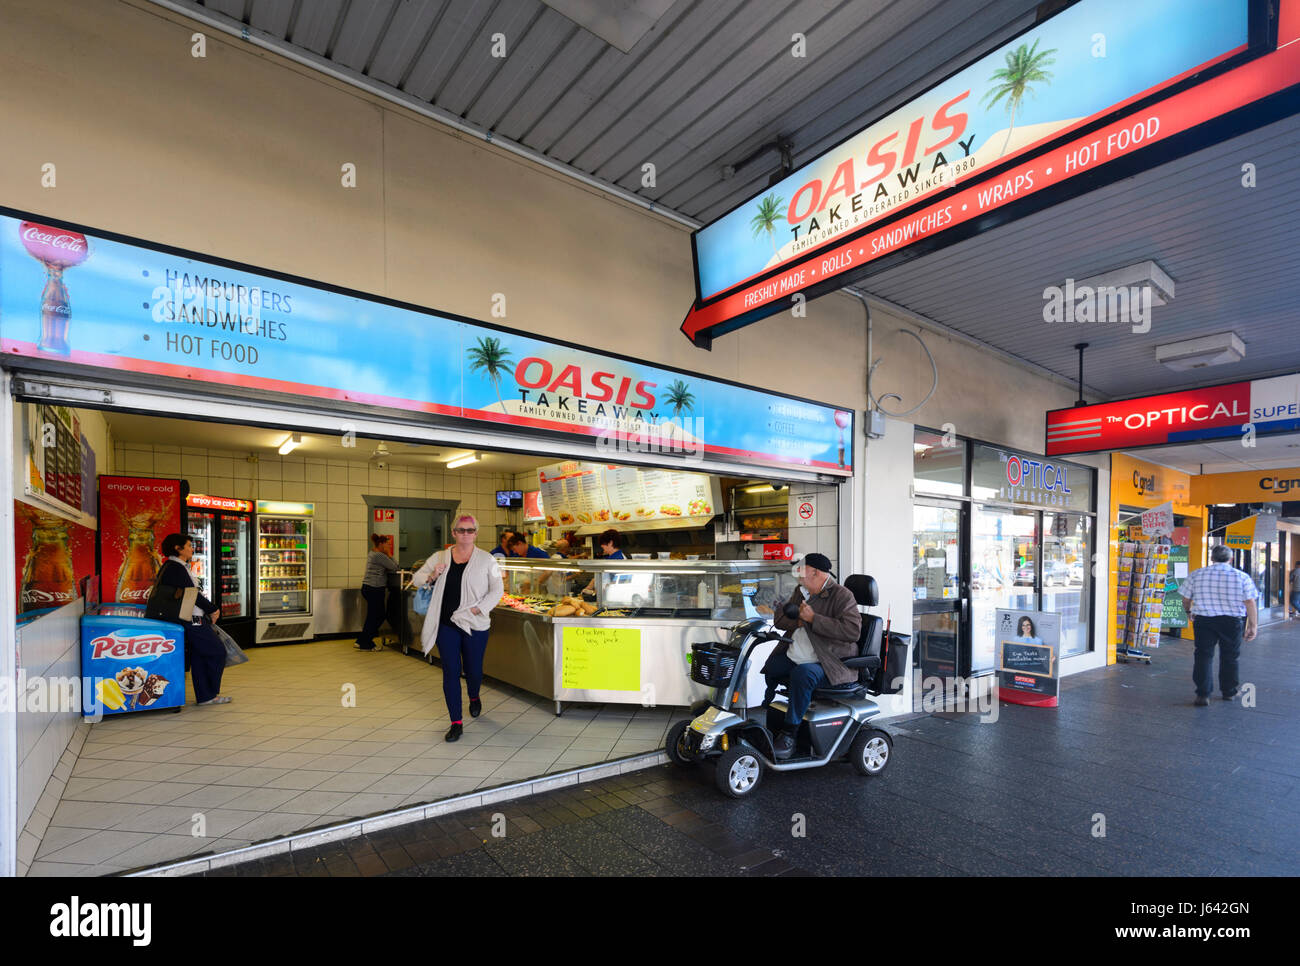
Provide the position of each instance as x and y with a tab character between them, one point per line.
712	664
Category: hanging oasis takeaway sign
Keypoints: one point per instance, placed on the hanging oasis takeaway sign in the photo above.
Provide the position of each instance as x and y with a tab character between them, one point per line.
72	295
1102	90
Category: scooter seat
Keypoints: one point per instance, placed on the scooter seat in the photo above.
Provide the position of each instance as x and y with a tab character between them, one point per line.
851	690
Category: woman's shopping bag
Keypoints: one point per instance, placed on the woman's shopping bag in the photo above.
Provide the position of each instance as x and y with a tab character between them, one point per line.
423	598
234	653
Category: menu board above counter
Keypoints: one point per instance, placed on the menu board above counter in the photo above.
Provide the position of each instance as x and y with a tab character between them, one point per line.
596	495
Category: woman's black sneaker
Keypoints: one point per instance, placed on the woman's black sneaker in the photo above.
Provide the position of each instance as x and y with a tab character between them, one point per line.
475	707
455	732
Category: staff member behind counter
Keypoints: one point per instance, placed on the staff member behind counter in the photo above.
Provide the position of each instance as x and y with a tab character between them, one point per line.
611	548
518	546
466	586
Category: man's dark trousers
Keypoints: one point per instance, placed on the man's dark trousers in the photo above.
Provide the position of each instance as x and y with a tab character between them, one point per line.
1225	632
800	681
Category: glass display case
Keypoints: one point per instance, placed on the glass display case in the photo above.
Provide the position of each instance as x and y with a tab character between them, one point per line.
632	589
621	631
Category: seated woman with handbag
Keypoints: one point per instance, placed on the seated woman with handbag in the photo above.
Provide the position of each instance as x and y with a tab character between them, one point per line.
205	654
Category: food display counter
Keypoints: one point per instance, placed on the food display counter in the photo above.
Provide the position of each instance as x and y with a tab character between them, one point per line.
620	631
631	643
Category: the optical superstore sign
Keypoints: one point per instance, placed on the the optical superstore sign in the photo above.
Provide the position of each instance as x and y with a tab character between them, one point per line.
1263	406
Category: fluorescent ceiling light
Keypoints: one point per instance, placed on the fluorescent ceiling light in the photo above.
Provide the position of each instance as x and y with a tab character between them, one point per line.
1142	275
761	488
1210	350
291	442
462	461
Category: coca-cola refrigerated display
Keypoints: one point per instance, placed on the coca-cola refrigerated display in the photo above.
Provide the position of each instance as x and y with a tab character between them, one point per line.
284	610
221	530
135	513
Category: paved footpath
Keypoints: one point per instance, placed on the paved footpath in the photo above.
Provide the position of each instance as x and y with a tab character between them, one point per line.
1180	790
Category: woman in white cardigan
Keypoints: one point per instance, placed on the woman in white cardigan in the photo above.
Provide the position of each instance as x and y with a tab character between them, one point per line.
466	586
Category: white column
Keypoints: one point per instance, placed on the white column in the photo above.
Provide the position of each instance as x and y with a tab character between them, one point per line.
8	633
887	544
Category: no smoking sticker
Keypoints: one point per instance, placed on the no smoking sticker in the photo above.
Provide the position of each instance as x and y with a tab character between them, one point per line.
805	511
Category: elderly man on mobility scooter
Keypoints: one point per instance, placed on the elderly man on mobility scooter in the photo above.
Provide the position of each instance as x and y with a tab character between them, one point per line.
825	633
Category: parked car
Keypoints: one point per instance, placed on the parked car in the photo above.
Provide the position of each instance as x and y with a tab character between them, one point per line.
1024	577
1056	573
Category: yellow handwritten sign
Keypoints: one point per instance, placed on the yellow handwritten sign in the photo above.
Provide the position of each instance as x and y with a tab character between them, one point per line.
601	658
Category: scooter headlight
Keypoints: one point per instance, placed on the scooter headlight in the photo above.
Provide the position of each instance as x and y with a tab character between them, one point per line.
707	742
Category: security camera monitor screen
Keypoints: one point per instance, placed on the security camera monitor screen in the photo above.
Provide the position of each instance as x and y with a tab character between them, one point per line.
510	498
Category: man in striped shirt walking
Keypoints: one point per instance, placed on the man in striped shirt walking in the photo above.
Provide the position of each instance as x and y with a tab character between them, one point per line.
1221	600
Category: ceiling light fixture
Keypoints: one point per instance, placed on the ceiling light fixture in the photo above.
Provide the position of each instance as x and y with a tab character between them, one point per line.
1141	275
291	442
462	461
1210	350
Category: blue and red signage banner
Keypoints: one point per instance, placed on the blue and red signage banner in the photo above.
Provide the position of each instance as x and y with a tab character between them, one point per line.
1262	407
74	295
1100	91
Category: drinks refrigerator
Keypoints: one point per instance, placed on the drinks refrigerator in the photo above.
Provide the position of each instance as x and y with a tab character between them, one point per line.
284	581
221	529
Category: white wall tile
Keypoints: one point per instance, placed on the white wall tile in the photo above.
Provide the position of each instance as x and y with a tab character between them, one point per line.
192	465
293	491
337	472
315	471
358	474
270	490
293	471
269	469
167	464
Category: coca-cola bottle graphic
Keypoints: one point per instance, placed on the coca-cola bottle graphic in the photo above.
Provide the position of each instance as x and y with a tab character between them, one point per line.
842	421
57	249
140	565
48	577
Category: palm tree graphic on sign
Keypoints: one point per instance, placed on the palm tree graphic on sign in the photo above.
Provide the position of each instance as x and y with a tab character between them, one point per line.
1024	68
679	397
769	210
491	358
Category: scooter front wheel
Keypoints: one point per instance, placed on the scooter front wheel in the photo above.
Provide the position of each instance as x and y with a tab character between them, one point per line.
738	772
870	751
675	745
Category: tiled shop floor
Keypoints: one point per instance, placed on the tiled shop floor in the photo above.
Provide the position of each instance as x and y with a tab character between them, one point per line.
1183	791
315	734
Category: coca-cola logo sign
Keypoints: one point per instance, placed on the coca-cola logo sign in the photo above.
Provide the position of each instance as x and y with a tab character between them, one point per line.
131	647
32	595
54	246
127	594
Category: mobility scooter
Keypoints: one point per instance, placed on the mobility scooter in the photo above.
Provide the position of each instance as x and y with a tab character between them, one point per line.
835	725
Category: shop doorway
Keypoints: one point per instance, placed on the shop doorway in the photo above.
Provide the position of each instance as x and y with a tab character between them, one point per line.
1004	574
940	588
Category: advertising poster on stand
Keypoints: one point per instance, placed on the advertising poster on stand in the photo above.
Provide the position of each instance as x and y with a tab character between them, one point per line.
1029	648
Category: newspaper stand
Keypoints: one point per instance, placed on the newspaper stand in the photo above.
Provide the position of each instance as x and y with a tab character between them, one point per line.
1140	598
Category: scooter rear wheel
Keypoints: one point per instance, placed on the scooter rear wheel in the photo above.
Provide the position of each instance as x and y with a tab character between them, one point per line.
738	772
870	751
675	745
